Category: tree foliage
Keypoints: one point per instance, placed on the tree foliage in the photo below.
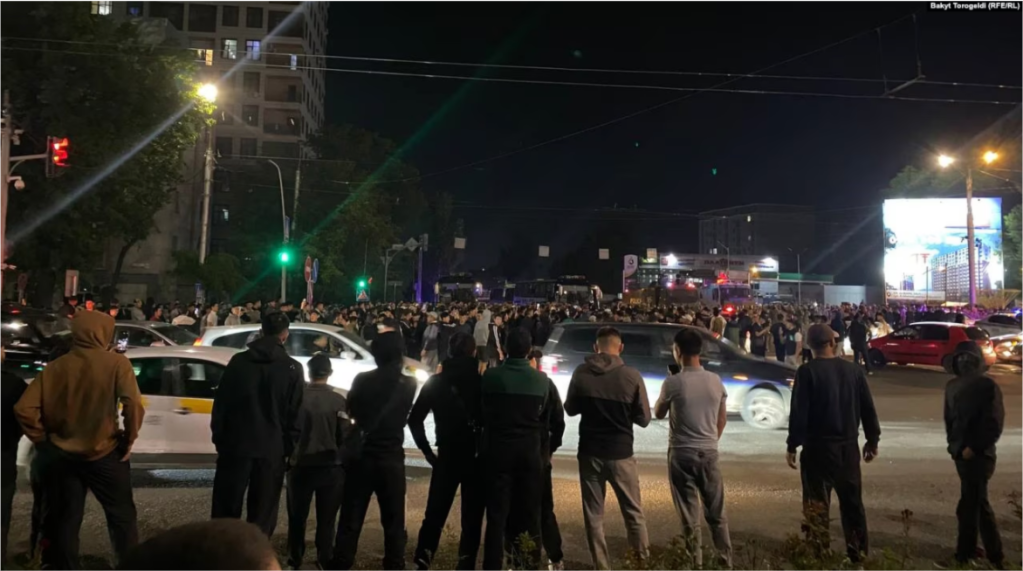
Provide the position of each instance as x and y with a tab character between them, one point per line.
129	109
1012	234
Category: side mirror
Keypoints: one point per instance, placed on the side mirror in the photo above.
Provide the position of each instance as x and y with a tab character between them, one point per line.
348	355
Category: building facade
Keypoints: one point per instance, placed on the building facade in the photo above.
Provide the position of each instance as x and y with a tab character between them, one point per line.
778	230
266	59
950	272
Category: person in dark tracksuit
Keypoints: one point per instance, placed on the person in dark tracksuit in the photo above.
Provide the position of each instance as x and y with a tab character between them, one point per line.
830	400
255	426
13	387
858	334
516	403
378	404
974	417
453	395
550	533
316	464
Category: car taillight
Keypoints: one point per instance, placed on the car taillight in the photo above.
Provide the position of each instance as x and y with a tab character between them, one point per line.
197	342
549	364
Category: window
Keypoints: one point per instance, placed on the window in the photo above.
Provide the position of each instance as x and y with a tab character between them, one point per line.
307	343
1003	320
293	65
278	149
225	147
221	213
200	379
236	340
635	344
577	340
101	8
230	49
247	148
906	333
293	93
224	117
250	83
933	333
250	115
174	12
252	49
254	17
155	376
229	16
202	18
134	9
275	19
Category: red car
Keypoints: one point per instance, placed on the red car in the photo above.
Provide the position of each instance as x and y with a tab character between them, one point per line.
933	343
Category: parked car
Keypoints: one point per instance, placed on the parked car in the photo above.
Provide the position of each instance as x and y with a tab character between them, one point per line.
134	334
349	354
1000	324
31	337
759	390
1008	347
177	385
937	344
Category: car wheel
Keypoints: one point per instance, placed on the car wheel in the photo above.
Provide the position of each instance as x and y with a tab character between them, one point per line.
764	409
877	359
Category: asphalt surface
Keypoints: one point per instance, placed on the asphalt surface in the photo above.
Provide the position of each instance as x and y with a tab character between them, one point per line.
913	472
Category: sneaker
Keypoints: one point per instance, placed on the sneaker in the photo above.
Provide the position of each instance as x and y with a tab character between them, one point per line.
559	566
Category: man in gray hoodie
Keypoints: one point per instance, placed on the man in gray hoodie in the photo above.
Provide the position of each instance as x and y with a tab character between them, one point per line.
611	397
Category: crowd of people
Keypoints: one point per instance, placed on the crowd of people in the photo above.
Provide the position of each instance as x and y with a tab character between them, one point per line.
498	421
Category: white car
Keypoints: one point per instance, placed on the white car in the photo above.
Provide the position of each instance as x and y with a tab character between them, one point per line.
177	385
349	354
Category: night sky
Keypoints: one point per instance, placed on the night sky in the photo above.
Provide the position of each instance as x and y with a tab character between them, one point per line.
826	152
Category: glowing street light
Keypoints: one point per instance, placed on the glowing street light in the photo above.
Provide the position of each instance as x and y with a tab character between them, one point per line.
208	91
944	161
990	157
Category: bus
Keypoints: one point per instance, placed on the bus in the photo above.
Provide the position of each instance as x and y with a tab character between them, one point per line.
565	289
457	287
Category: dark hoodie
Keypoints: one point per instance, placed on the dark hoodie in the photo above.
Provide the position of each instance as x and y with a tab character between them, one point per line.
453	395
380	399
73	402
256	408
611	397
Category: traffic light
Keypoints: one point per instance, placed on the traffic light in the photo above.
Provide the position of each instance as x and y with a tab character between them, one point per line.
56	155
284	256
362	283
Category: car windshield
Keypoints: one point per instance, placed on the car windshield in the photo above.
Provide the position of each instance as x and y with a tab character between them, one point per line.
32	326
179	335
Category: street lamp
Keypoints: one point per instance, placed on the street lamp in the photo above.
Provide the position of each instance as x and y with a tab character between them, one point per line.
284	224
207	91
944	161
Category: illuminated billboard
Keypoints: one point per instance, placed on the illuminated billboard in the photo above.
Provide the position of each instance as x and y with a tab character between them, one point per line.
926	255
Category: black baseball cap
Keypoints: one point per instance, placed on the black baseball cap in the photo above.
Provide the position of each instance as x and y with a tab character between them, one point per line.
319	366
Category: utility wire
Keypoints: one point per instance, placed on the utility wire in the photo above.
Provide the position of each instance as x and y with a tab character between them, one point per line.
559	68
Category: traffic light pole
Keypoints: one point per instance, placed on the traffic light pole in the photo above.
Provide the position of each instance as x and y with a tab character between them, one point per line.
207	185
284	229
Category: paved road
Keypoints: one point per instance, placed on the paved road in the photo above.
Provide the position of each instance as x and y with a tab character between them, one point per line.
913	472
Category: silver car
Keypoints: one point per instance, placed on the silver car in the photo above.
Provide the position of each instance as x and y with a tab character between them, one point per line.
1000	324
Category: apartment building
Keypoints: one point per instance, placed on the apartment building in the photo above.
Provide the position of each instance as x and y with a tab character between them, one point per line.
267	61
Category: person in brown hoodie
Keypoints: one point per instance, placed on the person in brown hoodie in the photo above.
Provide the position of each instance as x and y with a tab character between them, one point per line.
70	413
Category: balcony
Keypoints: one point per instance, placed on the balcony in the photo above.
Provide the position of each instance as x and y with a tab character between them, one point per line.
282	122
283	89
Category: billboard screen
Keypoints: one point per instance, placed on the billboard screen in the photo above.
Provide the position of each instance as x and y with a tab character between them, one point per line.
926	255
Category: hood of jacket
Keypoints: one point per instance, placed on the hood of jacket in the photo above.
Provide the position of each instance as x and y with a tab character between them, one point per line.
457	369
603	364
482	332
92	330
267	349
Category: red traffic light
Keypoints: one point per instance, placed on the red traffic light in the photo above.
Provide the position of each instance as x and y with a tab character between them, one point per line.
58	151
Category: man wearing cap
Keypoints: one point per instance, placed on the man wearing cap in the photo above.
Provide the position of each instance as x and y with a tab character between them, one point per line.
830	400
255	426
316	464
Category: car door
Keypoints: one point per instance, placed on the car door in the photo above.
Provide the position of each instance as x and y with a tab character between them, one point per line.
155	380
898	347
643	351
717	359
198	384
932	345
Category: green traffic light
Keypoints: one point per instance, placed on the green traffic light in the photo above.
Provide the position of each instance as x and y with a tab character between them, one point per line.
362	283
284	257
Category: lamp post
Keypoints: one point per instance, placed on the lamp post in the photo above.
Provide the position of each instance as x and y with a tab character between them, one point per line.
945	161
799	270
284	226
207	91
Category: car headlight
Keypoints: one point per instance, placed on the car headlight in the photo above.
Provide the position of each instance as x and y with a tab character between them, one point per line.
791	382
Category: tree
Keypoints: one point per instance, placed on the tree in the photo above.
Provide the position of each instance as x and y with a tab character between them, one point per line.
129	109
1011	248
220	275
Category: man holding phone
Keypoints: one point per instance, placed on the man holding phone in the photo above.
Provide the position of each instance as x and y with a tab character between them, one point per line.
830	400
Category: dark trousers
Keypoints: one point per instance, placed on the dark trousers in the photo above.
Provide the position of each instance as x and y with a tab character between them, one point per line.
974	511
452	469
385	477
327	483
779	351
514	484
861	352
827	466
65	480
9	474
263	477
549	530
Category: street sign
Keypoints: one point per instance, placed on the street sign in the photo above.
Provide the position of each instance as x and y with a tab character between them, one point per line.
362	297
459	243
316	270
308	270
604	254
545	251
411	245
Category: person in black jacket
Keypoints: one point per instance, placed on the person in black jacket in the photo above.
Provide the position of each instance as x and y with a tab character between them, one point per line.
550	441
830	399
255	426
453	395
316	464
378	404
13	387
858	334
974	417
